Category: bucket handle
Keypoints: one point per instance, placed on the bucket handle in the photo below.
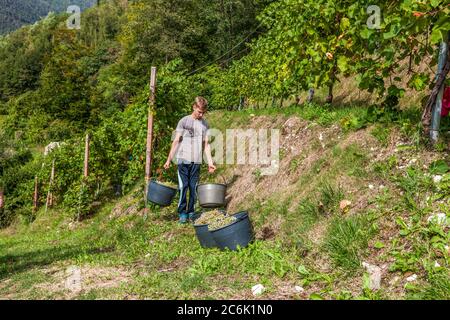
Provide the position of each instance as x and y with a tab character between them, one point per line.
223	180
159	173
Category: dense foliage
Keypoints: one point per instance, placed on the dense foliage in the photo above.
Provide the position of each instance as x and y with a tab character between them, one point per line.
312	43
16	13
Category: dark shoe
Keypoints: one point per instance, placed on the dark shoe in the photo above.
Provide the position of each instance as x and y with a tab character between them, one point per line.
191	216
183	219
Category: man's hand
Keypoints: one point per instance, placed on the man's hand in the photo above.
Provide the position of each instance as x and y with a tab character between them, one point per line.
211	168
167	165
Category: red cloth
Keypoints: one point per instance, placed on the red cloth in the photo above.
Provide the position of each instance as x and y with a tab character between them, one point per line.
446	102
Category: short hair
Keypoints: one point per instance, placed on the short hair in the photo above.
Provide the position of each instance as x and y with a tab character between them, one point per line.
201	102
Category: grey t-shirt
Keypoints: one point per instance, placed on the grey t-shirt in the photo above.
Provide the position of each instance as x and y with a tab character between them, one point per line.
193	133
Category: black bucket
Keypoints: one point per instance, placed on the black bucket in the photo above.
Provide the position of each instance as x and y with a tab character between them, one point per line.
204	236
160	194
239	233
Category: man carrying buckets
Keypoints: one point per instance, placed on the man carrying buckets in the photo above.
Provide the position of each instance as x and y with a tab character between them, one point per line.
190	139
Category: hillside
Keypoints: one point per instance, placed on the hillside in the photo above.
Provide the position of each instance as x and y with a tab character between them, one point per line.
16	13
303	237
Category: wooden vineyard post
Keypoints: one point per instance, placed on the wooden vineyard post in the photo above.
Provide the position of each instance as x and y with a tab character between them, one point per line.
35	195
85	172
148	155
49	202
2	199
86	157
52	179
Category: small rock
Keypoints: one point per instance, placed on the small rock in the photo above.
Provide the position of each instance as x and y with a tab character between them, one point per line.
73	279
374	276
371	186
436	264
437	178
439	218
258	289
299	289
382	187
394	281
412	278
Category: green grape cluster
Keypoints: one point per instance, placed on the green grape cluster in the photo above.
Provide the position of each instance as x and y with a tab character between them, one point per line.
208	217
221	222
169	184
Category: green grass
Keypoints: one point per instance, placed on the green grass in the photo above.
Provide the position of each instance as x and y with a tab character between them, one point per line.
351	160
347	239
330	197
438	288
418	245
311	209
382	133
322	114
144	246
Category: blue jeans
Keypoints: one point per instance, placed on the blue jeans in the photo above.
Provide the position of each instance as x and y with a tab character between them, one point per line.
188	176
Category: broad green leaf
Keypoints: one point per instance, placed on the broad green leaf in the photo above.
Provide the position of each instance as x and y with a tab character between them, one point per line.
379	245
435	3
404	232
342	63
439	167
345	23
436	36
316	296
302	270
419	81
366	33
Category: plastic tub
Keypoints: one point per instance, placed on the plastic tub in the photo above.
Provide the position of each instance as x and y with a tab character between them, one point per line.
239	233
204	236
160	194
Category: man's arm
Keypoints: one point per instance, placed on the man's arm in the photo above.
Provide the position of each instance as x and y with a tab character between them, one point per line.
173	149
211	166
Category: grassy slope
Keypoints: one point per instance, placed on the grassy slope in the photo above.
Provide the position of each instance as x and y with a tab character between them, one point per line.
304	239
